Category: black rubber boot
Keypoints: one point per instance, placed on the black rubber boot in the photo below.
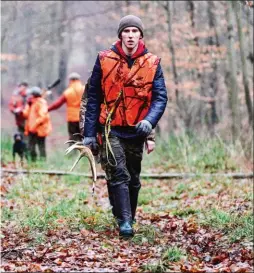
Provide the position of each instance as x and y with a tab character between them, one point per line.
111	200
121	201
125	230
134	202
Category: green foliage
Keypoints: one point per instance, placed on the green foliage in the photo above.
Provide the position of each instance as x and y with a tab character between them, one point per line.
6	148
185	212
170	255
173	254
179	153
97	221
244	229
181	188
236	225
6	214
147	195
157	267
146	234
44	203
191	153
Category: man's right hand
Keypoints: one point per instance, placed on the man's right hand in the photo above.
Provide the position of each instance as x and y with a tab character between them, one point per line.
91	142
17	110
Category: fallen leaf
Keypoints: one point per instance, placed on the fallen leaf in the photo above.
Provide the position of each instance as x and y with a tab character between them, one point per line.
84	232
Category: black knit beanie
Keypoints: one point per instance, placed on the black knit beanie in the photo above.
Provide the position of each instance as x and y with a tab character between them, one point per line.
130	21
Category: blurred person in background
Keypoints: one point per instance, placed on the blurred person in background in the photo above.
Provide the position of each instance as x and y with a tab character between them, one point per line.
38	125
125	100
72	97
17	104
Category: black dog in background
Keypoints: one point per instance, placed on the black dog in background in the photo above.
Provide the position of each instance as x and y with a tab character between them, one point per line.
19	147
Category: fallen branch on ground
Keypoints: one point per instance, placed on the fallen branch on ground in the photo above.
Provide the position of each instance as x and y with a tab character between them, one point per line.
142	175
8	251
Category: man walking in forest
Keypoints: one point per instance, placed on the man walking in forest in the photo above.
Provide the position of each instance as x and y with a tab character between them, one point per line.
126	99
38	124
17	104
72	97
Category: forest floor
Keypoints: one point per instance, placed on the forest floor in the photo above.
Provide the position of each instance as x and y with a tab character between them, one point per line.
53	223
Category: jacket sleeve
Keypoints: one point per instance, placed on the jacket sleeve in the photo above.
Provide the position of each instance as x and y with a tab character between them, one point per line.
159	98
12	104
26	110
42	111
94	98
58	103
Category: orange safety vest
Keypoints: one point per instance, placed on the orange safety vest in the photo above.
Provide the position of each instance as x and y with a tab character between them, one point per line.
17	101
73	96
38	119
127	91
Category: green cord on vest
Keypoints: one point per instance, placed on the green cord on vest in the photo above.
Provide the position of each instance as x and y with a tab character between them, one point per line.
108	128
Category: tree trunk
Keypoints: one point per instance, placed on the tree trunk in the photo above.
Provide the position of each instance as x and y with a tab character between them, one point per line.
243	60
250	39
172	50
213	76
191	10
51	71
63	54
232	74
181	108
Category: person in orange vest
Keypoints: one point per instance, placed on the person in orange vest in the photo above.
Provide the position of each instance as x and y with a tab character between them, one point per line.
72	97
125	101
17	104
38	125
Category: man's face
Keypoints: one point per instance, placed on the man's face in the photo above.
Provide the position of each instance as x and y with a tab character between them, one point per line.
131	37
22	89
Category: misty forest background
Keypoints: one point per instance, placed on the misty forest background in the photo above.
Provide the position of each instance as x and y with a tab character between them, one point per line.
206	50
52	223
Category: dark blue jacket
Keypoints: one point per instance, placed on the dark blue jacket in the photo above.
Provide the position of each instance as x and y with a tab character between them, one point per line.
95	98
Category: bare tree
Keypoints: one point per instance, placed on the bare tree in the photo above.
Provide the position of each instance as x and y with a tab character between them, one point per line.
243	60
213	76
63	45
232	74
191	10
172	49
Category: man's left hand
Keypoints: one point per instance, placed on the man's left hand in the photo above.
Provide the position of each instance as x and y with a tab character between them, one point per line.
144	127
150	145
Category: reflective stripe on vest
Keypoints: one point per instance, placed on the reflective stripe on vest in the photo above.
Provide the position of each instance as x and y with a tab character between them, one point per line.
135	83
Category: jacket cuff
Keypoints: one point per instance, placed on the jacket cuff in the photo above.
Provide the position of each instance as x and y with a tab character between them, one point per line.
150	120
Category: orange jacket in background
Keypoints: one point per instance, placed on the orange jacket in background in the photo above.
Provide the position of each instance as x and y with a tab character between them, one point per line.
17	101
38	119
25	114
73	95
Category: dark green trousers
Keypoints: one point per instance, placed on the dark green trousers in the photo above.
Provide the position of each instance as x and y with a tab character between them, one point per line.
123	180
33	141
73	128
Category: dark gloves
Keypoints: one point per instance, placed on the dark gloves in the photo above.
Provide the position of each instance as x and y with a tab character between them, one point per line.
144	127
91	142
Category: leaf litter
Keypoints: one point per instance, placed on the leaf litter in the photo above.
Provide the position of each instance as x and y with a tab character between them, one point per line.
86	249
